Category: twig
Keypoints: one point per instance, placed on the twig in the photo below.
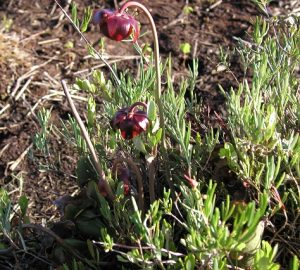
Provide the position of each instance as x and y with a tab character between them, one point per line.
20	158
4	149
53	93
214	5
7	106
48	41
51	79
60	18
53	9
33	36
23	89
88	141
28	74
31	72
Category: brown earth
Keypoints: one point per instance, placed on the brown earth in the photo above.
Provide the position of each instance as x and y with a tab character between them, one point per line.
35	57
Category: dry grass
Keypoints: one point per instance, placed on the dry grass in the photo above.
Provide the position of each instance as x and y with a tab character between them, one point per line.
13	59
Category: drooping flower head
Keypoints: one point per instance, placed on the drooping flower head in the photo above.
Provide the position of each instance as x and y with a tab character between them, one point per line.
131	121
116	25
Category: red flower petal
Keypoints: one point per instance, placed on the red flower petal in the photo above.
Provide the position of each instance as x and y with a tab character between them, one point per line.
124	135
134	134
118	27
130	121
115	25
141	118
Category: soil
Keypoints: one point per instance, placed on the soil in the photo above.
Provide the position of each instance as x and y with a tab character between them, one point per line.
36	58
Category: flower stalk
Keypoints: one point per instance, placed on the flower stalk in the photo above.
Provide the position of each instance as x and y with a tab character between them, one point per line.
157	96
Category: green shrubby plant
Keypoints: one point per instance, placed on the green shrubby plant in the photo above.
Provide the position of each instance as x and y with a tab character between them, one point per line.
264	117
143	200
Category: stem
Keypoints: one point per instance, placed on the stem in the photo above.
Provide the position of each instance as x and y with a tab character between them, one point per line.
87	140
139	179
138	103
89	44
151	175
157	92
156	52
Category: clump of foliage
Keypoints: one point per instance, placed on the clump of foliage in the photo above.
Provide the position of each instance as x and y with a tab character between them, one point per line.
145	201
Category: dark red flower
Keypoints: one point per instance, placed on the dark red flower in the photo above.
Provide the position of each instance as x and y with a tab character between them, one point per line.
116	25
130	121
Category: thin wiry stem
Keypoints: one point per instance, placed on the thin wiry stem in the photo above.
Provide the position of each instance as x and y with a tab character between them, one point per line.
157	95
89	44
87	140
151	173
139	179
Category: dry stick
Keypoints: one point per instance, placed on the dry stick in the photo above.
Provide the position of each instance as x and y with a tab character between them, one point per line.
139	180
157	95
88	141
89	44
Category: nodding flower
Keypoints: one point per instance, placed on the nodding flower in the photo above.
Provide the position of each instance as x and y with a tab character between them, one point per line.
116	25
131	121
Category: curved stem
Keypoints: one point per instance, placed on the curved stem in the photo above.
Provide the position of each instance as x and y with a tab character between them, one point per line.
138	103
87	140
139	180
157	92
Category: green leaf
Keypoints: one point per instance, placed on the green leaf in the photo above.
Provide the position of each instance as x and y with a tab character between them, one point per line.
86	19
294	263
89	224
187	9
91	248
139	145
23	203
185	48
5	211
155	126
189	262
85	171
91	112
151	110
74	14
158	136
